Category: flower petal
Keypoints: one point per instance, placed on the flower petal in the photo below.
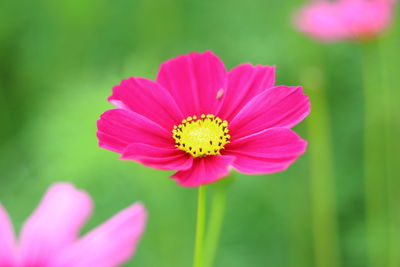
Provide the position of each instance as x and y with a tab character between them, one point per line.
149	99
347	19
365	19
245	82
54	225
7	240
194	81
269	151
157	157
280	106
110	244
322	20
117	128
205	170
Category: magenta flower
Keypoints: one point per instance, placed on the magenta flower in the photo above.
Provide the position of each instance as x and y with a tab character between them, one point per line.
200	120
50	236
332	21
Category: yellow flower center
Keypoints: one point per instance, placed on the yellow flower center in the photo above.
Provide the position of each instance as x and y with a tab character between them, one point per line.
202	136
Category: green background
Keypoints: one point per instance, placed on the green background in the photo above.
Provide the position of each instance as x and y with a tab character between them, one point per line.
58	63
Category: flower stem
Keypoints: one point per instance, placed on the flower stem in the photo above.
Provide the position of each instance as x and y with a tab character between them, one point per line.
322	179
215	223
391	93
200	227
374	157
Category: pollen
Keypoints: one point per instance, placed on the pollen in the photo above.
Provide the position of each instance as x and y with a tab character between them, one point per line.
202	136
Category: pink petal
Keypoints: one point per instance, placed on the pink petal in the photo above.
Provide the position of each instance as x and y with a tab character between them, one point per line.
322	20
344	19
205	170
365	18
281	106
111	244
149	99
7	240
194	81
117	128
54	225
157	157
269	151
245	82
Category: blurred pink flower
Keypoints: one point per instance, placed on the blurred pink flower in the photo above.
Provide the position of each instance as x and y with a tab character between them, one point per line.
200	119
333	21
50	236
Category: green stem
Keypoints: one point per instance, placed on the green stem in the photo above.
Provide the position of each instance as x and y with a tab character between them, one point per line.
374	157
391	92
322	179
200	227
215	224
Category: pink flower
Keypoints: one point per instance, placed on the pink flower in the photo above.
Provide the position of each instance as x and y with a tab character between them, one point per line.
199	119
344	19
50	236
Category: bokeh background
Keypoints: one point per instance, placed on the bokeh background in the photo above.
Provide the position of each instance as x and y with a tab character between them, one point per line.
58	63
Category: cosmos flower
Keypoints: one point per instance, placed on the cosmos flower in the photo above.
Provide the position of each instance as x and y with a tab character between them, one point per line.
199	119
50	236
333	21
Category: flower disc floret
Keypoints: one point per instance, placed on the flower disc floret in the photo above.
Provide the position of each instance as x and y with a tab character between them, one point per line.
202	136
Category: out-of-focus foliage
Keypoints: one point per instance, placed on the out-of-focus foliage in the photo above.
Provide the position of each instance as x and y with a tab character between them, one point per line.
58	63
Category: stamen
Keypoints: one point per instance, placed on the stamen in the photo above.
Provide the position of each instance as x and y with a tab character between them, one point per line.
202	136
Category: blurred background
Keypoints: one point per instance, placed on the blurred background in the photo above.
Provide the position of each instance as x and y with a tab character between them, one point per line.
58	63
